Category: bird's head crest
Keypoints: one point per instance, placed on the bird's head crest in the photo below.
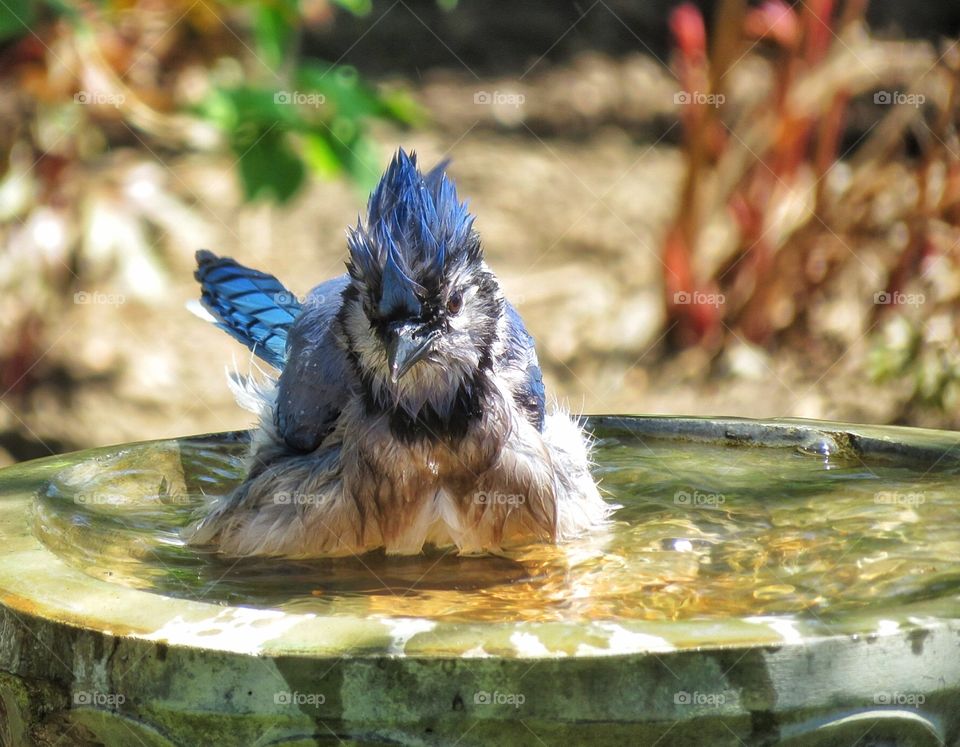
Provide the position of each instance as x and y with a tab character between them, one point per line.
416	234
422	310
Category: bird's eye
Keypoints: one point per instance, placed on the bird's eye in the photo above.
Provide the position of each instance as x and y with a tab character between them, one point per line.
455	303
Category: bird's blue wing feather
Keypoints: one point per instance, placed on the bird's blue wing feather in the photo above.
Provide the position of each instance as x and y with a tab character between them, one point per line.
314	383
252	306
521	352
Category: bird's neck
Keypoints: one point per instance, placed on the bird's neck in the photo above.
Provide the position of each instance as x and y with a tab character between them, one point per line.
446	421
431	402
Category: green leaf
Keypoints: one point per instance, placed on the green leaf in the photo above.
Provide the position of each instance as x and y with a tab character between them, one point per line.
363	163
321	156
357	156
280	134
268	167
357	7
16	17
238	108
273	29
219	109
345	92
402	107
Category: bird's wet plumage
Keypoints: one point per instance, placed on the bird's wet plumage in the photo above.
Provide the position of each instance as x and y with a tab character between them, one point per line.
410	406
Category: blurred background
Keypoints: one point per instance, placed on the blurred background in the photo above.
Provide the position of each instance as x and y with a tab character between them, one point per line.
710	208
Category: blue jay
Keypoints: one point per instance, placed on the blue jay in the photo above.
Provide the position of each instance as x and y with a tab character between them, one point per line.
409	408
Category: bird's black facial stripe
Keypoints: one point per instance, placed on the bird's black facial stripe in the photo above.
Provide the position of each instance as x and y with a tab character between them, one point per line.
470	399
432	314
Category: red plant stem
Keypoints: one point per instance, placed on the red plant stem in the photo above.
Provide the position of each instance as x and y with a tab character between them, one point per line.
686	23
818	29
704	139
832	125
828	141
726	50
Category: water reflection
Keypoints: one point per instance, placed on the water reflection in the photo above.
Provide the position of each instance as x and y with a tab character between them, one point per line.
704	532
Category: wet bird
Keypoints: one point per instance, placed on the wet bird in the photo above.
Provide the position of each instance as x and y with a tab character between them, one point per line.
410	407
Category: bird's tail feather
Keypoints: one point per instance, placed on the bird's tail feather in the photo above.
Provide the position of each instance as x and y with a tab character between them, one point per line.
252	306
254	391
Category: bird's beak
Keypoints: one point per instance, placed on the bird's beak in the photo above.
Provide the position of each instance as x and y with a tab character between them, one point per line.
405	348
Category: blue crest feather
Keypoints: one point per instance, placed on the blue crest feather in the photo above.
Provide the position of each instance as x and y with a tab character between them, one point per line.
399	291
416	231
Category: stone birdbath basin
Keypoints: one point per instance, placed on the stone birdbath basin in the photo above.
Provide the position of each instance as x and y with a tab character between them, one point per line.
765	582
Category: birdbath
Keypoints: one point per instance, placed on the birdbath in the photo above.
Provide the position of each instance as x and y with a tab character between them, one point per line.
763	582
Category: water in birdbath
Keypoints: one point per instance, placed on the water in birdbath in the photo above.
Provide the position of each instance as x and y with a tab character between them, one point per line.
704	531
